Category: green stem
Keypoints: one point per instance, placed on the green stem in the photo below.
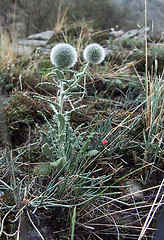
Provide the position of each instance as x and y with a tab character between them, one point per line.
78	77
61	97
61	102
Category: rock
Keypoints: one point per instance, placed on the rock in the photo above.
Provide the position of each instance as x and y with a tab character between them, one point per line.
133	190
39	40
24	49
32	43
47	35
116	34
138	33
44	50
108	51
141	32
140	38
129	34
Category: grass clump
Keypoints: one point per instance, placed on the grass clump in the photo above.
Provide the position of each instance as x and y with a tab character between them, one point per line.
132	43
7	50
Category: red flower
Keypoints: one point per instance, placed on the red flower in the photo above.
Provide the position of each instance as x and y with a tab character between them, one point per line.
104	142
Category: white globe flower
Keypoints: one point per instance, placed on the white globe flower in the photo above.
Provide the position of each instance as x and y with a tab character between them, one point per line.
94	53
63	55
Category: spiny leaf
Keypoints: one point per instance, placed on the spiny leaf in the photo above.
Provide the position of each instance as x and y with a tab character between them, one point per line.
60	75
62	121
92	153
47	150
77	108
49	101
47	84
58	164
73	93
44	169
51	74
61	140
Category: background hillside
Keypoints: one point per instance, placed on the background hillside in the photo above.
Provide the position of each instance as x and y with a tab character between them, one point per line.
39	15
136	13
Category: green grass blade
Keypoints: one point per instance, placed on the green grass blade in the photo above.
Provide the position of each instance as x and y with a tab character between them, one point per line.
73	223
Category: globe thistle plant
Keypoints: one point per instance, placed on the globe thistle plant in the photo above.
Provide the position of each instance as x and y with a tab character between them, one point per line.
94	53
63	55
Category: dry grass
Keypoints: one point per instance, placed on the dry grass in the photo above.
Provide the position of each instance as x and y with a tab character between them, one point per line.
61	18
8	54
126	219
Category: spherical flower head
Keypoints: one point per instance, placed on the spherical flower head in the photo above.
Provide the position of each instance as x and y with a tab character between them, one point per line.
94	53
63	55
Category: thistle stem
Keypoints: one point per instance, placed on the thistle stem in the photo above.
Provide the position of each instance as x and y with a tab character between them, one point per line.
61	97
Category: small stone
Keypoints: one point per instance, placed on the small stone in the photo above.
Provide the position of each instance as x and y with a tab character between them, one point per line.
47	35
43	50
33	43
133	190
134	32
116	34
23	49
